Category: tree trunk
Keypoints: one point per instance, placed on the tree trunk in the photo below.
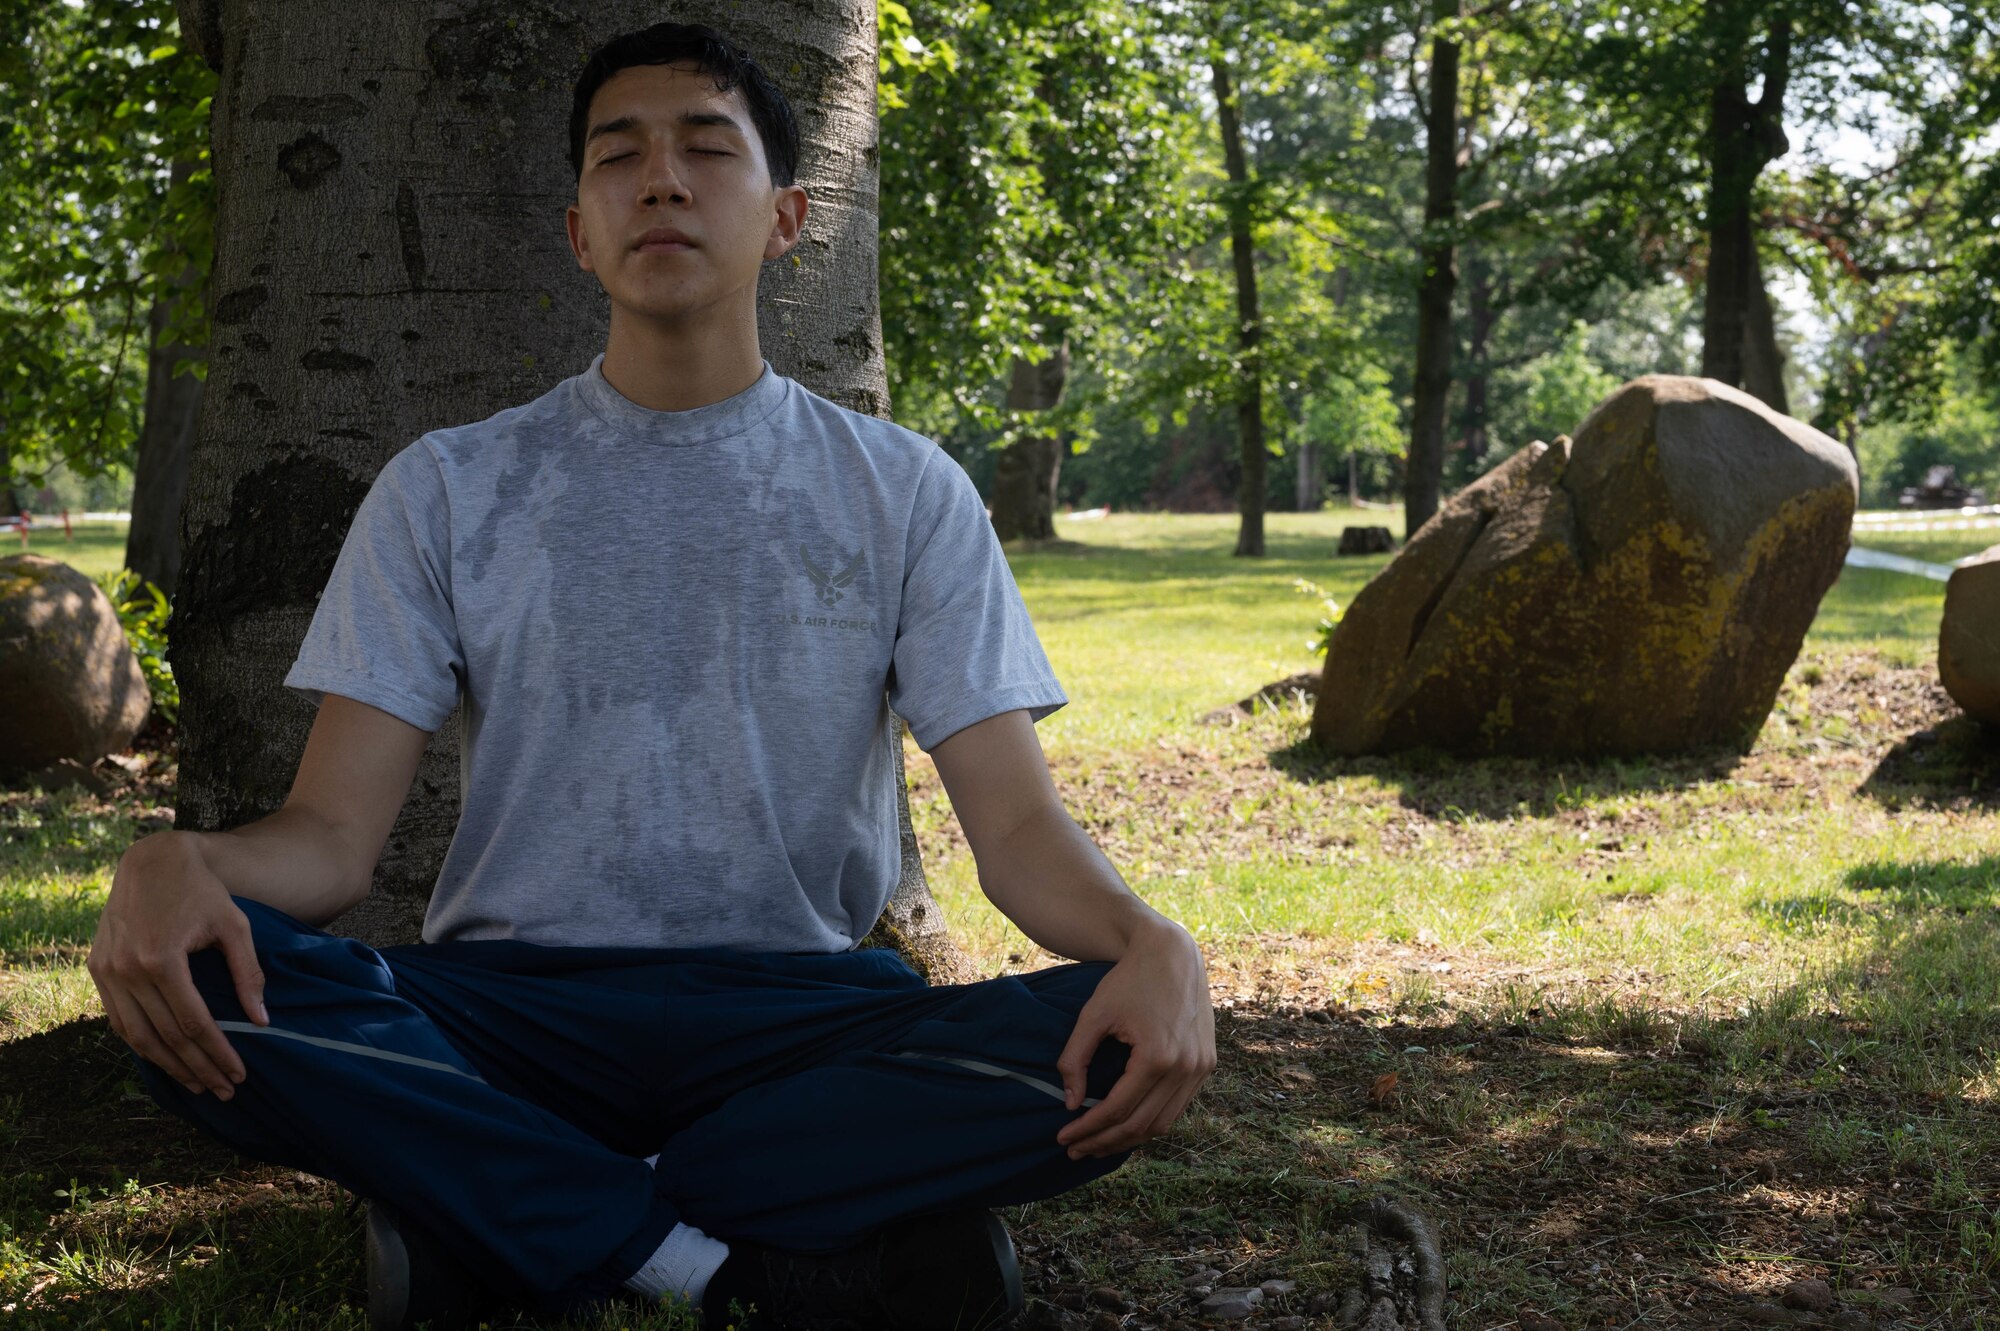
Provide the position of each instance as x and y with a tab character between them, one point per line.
1744	137
1479	309
1025	473
1763	362
1250	392
357	151
1309	478
1431	391
173	405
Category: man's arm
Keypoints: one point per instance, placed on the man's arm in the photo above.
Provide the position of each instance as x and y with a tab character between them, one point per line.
313	858
1045	874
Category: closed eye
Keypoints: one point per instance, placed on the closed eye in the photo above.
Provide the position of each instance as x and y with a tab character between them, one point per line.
704	152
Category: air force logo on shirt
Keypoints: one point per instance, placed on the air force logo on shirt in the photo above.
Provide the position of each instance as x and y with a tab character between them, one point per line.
830	583
827	586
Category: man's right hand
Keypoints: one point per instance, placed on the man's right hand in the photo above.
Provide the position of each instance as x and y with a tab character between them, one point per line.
165	905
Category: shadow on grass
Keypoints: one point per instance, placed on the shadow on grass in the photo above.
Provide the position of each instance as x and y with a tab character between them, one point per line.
1954	764
1457	787
1587	1153
1897	891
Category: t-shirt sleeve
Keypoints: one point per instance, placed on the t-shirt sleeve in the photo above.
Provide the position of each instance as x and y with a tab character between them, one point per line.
384	632
965	647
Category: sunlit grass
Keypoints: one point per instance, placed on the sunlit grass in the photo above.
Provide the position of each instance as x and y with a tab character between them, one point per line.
96	548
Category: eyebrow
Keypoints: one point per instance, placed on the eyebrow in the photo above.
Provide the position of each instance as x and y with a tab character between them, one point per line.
692	118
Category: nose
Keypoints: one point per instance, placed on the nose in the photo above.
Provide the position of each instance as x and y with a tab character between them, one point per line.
660	176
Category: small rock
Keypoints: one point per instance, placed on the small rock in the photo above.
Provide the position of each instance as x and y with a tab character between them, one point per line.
1770	1314
1537	1322
1812	1296
1851	1320
1232	1304
1106	1297
1277	1289
1289	1324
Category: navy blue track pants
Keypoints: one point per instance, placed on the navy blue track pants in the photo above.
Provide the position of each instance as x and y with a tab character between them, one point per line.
505	1095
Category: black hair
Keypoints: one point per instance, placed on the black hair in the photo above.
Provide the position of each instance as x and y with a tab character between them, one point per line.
726	62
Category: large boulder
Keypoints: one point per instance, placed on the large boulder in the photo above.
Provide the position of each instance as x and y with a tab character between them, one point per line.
69	684
1641	589
1969	639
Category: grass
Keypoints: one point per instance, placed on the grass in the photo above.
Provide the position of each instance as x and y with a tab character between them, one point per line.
1938	547
1649	1039
96	548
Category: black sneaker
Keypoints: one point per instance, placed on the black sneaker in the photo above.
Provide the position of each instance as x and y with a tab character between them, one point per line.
412	1279
954	1271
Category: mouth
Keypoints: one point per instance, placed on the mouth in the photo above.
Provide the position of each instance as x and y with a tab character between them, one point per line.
663	240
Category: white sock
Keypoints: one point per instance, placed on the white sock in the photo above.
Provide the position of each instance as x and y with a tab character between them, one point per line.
681	1265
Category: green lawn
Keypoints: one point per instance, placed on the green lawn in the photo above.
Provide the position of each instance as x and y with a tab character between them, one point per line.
96	548
1648	1039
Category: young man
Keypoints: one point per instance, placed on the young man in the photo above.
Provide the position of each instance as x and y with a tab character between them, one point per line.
638	1047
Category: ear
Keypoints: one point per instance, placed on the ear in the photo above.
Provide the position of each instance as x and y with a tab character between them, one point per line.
579	245
790	206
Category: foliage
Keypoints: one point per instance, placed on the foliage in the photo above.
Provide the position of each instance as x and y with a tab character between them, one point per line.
143	611
1029	180
1329	618
99	99
1962	431
1355	412
1551	394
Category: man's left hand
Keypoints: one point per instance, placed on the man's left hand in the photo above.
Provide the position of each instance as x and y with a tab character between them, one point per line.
1155	999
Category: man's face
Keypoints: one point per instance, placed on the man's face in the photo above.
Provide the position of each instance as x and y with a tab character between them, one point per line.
677	154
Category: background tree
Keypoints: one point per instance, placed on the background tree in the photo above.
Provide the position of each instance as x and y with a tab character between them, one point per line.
106	204
1031	163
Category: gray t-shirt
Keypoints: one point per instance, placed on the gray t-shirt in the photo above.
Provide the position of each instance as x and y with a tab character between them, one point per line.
669	635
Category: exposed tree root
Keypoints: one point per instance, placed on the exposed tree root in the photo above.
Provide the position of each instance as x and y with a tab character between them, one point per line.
1402	1271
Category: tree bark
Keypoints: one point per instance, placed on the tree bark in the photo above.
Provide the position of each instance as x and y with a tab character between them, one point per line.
173	405
359	150
1431	391
1479	310
1744	138
1763	362
1249	325
1026	472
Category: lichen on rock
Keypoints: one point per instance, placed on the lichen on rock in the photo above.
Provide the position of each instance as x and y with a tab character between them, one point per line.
1640	588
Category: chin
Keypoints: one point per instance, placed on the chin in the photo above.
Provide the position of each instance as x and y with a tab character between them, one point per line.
665	307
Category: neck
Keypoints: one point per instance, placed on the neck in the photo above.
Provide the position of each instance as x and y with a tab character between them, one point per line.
681	366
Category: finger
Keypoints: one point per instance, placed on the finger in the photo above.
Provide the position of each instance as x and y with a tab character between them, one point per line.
146	1042
173	1037
1133	1130
196	1021
1074	1064
1127	1093
1175	1108
239	948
